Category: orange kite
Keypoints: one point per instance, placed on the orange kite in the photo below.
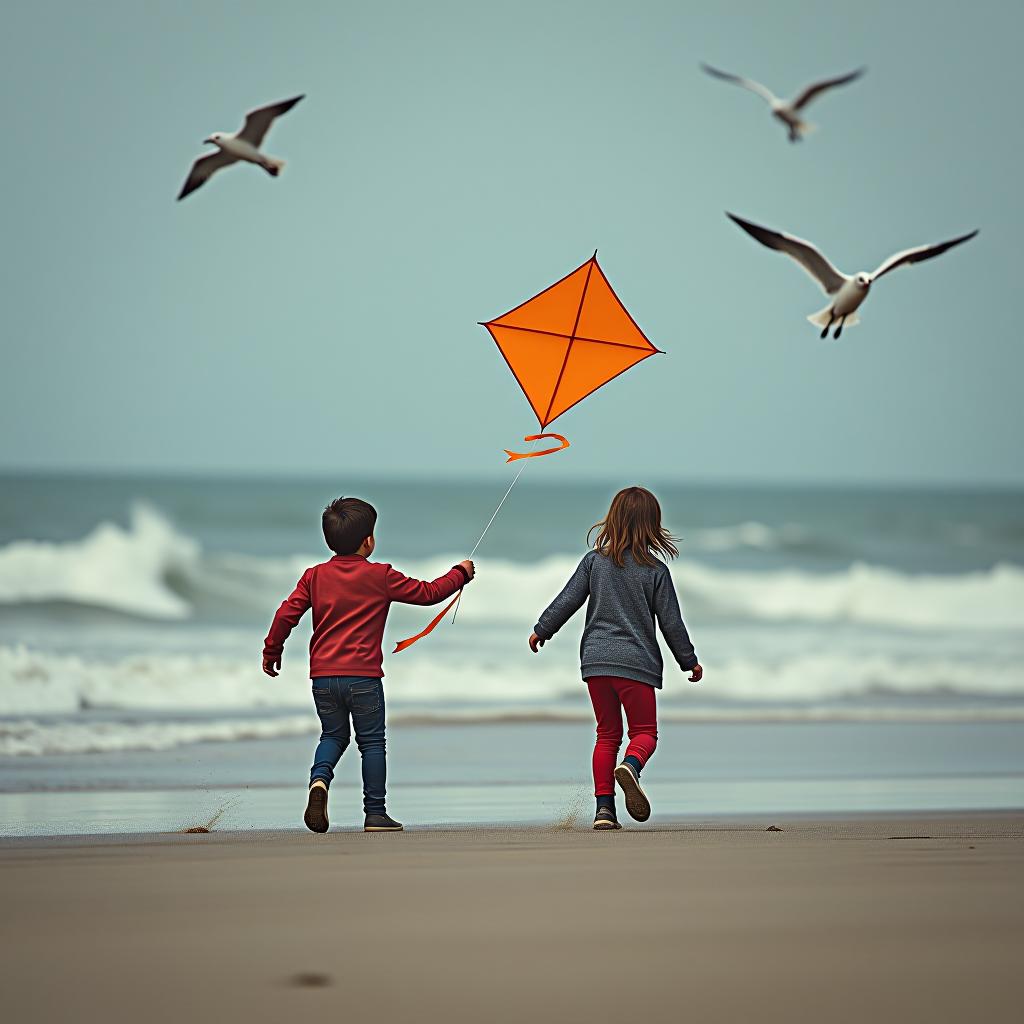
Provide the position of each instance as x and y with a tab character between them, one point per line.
561	346
569	340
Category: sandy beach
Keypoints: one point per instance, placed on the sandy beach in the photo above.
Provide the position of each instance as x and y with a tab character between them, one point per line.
901	917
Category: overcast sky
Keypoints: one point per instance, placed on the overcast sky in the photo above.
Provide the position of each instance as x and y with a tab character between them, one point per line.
450	160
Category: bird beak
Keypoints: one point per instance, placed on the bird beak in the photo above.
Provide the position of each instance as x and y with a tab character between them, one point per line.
208	140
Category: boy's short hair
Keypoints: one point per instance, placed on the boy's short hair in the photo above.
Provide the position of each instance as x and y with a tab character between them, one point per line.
347	523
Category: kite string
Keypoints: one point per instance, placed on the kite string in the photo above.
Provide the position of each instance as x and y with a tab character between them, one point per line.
494	515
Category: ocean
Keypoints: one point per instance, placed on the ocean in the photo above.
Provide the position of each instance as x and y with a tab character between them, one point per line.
863	650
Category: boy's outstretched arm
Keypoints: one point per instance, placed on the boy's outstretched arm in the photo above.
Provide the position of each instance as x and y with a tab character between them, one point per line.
406	590
670	619
292	609
564	607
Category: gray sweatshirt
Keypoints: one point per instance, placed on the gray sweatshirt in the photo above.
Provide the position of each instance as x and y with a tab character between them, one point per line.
619	637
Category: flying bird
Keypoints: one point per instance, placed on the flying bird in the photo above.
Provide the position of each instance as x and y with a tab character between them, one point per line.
244	145
848	291
788	111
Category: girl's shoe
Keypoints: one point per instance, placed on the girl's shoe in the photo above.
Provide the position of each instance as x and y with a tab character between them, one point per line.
381	823
316	808
605	820
637	804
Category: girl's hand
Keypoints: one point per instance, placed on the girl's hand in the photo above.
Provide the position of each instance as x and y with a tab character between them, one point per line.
271	665
536	643
696	674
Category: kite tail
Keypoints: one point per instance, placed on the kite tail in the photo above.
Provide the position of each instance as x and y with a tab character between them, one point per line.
513	456
429	628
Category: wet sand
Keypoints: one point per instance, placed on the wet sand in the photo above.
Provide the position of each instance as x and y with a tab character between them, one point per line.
894	918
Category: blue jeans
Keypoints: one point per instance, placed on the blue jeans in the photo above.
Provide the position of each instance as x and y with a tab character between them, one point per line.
337	697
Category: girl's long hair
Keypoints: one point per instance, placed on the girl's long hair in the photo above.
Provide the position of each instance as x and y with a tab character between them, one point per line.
633	524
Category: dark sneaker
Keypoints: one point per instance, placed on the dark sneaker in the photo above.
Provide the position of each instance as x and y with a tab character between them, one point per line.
605	820
637	804
316	808
381	823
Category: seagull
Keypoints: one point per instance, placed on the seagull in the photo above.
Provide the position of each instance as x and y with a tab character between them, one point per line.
788	112
847	291
243	145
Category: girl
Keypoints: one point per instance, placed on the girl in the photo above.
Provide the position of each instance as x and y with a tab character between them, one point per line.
628	588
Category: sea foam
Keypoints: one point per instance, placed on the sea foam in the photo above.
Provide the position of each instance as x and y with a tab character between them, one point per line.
152	571
113	568
34	683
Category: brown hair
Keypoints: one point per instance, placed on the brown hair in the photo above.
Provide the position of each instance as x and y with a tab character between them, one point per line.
633	524
347	523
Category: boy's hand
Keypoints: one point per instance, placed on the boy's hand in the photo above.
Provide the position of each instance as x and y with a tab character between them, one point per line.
536	642
469	567
271	665
696	674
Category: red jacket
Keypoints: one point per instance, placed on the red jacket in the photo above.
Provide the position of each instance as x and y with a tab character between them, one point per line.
350	598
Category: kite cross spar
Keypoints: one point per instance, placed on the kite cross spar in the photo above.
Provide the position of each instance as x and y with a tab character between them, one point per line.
561	346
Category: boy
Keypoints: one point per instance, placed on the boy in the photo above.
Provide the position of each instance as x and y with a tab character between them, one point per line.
350	597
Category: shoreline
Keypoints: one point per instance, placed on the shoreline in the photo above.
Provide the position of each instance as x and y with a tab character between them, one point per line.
472	777
255	812
811	822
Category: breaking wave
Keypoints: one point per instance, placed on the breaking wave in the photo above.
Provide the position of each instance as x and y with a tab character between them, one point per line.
151	571
57	703
755	536
28	738
990	599
117	569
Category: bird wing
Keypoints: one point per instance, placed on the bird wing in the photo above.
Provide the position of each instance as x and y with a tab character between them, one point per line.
258	122
811	91
922	252
803	252
747	83
203	169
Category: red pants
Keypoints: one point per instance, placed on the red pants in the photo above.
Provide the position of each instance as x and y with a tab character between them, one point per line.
610	695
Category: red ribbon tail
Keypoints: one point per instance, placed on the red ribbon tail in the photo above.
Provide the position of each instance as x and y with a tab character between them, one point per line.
512	456
429	628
